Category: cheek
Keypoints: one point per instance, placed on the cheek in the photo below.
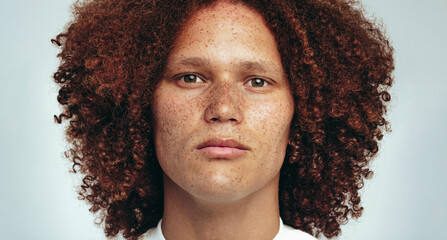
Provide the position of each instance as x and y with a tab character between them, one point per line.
172	124
272	119
272	130
171	114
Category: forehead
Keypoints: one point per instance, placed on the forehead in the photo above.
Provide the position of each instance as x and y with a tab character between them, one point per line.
226	31
223	13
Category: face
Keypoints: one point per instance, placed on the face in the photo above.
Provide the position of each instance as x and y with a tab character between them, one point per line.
223	108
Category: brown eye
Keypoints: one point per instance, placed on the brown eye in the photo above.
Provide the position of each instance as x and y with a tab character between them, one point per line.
191	78
258	82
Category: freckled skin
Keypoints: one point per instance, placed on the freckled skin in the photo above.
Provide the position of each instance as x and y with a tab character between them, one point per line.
224	105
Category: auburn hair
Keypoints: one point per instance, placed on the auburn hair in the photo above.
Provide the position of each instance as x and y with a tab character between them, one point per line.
339	67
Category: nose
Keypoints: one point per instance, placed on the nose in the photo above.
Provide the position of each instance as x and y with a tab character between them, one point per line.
224	104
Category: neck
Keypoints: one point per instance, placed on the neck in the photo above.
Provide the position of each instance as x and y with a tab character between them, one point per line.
255	216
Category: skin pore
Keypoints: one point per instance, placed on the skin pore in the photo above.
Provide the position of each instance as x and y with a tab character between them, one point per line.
222	115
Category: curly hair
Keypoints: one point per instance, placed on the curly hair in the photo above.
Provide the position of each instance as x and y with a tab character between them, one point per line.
339	67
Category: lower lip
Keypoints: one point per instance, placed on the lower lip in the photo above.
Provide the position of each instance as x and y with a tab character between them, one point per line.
222	152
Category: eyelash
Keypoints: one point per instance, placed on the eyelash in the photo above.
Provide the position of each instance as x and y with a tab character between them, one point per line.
265	82
196	77
183	78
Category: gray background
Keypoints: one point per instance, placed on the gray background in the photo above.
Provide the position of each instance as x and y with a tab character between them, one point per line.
406	199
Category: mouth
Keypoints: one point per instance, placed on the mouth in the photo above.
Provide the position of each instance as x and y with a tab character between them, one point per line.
218	148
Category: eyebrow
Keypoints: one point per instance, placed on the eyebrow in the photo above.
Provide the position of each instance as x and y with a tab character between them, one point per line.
194	61
261	66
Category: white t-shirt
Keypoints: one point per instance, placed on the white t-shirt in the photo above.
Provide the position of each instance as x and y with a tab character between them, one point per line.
285	233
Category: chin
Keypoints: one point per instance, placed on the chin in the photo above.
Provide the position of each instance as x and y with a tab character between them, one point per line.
220	189
219	195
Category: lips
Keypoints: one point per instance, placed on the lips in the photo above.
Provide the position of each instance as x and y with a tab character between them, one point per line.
218	148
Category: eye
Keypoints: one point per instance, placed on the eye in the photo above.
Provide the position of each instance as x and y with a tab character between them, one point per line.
258	82
191	78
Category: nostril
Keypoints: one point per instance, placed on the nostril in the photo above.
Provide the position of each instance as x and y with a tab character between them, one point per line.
216	119
223	107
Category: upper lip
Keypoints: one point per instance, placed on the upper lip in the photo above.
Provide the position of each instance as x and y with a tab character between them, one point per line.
222	142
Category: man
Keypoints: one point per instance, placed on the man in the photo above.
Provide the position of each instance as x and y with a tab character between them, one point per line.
223	119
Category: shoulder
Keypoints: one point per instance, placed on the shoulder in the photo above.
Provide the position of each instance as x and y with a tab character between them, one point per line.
153	233
289	233
285	233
